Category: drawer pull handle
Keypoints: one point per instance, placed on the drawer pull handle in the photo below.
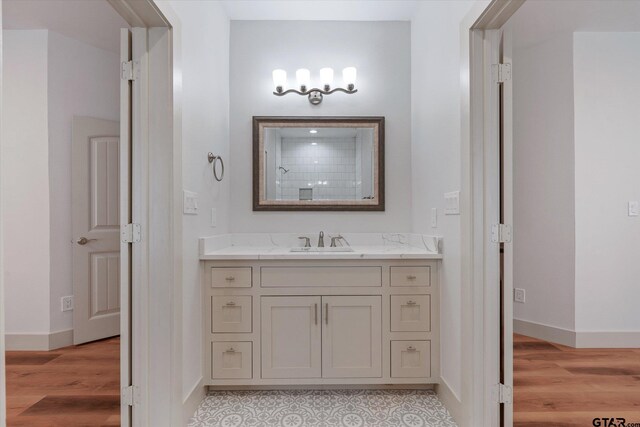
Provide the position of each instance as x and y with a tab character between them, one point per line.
411	303
315	312
411	348
326	316
230	303
410	277
230	279
231	350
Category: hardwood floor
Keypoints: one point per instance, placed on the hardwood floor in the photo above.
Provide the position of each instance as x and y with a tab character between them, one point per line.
69	387
559	386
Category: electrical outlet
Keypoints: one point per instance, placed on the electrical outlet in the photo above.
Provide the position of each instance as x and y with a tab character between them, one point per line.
452	203
519	295
67	303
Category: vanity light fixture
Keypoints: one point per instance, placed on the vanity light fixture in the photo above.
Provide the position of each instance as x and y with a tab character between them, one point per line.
303	80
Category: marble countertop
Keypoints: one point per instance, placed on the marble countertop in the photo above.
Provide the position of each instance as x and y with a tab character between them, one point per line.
278	246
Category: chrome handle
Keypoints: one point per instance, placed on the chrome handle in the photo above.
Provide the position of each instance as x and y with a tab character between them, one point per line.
230	303
411	348
411	277
231	350
326	313
315	312
83	241
307	241
411	303
230	279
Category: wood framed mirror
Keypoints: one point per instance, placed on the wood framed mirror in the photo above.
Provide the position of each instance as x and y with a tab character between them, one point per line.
318	164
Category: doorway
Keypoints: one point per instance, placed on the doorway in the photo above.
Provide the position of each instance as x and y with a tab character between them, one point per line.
567	194
55	71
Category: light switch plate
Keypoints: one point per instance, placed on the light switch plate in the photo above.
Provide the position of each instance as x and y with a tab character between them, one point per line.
190	203
634	208
452	203
434	217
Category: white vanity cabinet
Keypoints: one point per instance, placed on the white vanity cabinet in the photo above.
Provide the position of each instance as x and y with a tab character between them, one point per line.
321	322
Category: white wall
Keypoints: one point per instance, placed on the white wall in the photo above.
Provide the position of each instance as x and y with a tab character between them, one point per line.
575	169
543	196
435	156
83	81
607	176
205	127
49	79
381	53
25	176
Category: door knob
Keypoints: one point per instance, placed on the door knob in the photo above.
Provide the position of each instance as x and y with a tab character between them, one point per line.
83	241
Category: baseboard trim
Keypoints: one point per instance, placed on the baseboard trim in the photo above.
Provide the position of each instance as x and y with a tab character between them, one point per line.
38	342
193	400
545	332
582	339
607	339
450	400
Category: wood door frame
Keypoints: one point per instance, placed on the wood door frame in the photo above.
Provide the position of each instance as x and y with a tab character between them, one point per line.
480	198
157	167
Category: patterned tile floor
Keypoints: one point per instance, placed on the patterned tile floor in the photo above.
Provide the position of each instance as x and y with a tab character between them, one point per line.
322	408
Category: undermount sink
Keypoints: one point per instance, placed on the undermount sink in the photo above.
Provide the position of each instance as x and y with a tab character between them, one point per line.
314	250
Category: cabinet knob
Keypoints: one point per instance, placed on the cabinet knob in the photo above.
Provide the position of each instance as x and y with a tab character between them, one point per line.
230	303
230	279
231	350
410	277
411	348
411	302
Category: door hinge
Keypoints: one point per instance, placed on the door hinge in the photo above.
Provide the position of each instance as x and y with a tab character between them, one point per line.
131	233
501	233
503	394
501	72
129	70
131	395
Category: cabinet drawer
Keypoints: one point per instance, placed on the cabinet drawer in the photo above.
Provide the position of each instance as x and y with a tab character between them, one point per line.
231	359
230	314
277	277
230	277
411	313
411	276
410	359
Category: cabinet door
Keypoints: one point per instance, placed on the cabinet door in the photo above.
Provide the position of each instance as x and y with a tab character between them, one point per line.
291	337
351	337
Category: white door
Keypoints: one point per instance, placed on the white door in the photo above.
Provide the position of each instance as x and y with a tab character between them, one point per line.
352	337
291	337
96	228
506	217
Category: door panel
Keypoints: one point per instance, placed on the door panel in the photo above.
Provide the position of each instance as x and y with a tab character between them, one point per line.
352	337
96	230
291	337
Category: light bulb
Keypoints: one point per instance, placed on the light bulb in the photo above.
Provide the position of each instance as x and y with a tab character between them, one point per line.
303	76
349	77
326	77
279	79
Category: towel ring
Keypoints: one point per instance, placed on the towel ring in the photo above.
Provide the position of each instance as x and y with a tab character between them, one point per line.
214	159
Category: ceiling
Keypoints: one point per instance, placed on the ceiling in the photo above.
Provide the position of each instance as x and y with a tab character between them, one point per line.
541	20
92	21
321	10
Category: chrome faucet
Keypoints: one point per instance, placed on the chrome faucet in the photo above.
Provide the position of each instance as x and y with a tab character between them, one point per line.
307	241
321	240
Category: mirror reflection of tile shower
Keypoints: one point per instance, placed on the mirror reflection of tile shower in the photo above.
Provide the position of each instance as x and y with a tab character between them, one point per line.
319	163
